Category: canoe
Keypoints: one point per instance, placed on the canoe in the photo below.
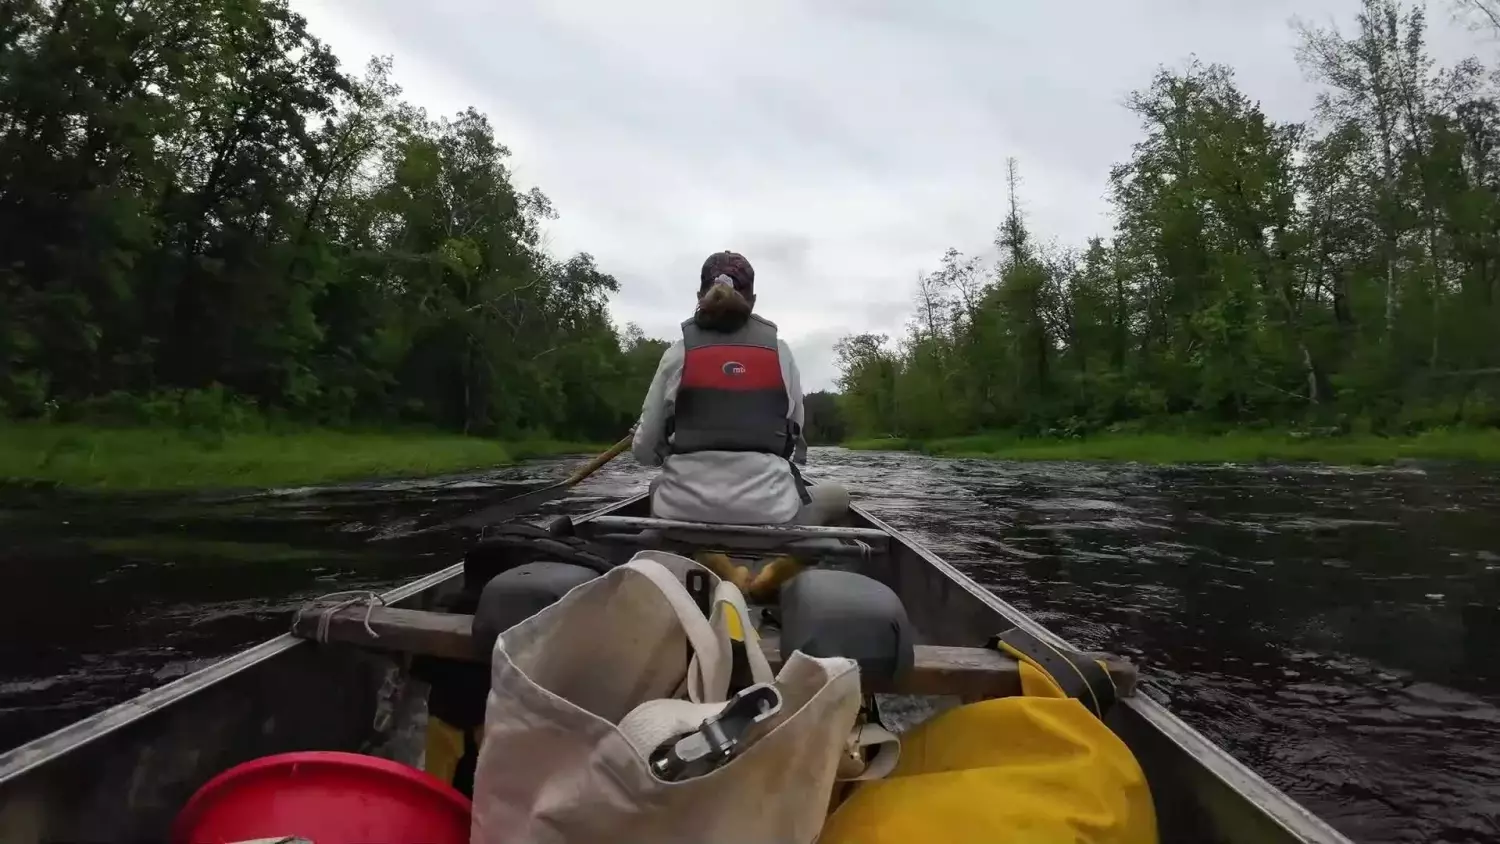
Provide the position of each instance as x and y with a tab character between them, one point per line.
123	774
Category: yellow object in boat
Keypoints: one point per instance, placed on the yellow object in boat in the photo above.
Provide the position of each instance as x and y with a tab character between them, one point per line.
1037	768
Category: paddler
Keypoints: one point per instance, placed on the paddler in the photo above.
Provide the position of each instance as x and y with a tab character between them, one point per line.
723	417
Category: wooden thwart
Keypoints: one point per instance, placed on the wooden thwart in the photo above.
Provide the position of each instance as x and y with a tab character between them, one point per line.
439	634
971	673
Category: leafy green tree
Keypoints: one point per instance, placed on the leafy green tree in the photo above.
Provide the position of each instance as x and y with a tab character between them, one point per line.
1341	271
824	418
198	200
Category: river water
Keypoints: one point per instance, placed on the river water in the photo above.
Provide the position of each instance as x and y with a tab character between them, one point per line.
1335	629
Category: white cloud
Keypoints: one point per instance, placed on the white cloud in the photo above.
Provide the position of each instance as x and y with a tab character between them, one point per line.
841	145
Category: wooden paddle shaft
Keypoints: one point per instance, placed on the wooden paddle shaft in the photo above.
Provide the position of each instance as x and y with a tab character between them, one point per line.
594	465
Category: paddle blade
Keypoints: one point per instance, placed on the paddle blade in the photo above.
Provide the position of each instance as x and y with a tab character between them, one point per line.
512	507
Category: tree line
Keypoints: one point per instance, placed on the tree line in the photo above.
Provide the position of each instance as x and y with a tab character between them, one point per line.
200	207
1339	272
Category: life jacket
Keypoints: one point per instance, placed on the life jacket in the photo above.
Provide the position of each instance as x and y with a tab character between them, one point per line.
732	396
455	704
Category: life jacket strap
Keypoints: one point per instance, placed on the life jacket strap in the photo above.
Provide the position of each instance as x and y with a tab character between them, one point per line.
801	483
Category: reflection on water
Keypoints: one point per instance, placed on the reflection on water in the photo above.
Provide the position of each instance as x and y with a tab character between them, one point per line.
1334	629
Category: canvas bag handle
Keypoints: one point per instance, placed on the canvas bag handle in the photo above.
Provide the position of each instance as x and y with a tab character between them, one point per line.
708	671
728	599
729	618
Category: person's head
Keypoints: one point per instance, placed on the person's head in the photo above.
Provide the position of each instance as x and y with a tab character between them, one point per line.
726	292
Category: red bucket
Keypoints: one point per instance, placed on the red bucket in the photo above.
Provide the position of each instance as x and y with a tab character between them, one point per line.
327	797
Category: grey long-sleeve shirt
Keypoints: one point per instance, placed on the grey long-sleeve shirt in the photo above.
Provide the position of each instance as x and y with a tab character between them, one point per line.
728	487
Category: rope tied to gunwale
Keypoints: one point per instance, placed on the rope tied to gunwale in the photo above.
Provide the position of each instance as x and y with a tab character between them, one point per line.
369	598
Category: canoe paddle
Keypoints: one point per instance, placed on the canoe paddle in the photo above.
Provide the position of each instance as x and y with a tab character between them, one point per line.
512	507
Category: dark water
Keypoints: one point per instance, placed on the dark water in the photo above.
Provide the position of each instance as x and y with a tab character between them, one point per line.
1337	630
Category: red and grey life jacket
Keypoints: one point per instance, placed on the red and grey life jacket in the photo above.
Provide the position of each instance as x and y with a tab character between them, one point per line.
732	396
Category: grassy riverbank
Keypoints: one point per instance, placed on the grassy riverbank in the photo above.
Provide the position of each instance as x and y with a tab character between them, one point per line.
171	458
1237	447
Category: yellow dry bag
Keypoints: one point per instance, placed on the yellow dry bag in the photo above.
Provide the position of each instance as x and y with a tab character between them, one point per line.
1037	768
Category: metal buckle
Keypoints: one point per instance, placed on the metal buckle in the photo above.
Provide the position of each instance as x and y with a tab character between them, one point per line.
718	738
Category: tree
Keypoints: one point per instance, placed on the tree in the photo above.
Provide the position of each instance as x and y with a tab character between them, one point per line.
1341	271
198	199
824	419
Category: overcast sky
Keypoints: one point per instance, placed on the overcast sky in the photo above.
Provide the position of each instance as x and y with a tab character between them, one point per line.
841	145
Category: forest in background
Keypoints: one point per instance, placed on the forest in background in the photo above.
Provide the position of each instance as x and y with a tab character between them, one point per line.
1340	274
207	221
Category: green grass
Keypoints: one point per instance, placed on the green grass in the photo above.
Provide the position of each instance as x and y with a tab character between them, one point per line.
1239	447
80	456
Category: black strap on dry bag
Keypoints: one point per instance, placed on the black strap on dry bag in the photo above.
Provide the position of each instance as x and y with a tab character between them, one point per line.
1079	676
